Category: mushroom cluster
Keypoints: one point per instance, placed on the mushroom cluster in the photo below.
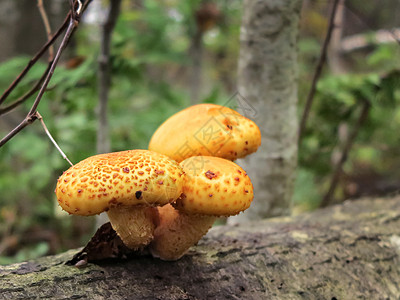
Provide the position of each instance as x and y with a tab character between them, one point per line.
205	139
169	196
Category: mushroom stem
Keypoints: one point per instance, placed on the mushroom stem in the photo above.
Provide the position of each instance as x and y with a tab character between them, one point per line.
177	231
134	225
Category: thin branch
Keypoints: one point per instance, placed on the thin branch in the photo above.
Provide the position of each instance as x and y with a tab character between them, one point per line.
64	42
103	140
36	87
72	7
46	23
40	118
35	59
318	70
345	152
76	7
363	40
84	6
360	16
395	34
79	9
28	120
31	116
27	95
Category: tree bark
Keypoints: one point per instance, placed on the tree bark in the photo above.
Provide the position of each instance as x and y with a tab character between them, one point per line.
21	30
335	58
349	251
104	77
196	55
267	80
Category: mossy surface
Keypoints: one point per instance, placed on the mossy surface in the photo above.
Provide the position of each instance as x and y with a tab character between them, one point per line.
351	251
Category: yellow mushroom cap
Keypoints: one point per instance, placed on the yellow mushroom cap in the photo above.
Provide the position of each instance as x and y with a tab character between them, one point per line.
214	186
133	177
206	129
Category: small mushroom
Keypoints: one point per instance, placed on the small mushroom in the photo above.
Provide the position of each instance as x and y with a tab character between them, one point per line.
206	129
126	184
213	187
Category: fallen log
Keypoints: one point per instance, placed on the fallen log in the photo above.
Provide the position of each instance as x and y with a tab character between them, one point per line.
349	251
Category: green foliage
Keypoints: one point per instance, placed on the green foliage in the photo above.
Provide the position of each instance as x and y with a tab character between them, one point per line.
307	196
27	253
338	102
384	57
150	66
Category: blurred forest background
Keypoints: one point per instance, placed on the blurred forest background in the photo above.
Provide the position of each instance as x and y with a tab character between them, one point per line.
155	70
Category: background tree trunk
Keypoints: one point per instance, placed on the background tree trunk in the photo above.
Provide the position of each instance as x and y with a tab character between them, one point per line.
21	27
196	55
103	143
267	80
336	61
349	251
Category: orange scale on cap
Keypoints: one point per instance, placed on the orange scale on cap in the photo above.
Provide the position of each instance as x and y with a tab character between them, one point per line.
198	188
90	200
185	125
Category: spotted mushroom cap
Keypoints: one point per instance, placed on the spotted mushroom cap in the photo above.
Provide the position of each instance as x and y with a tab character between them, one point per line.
206	129
214	186
134	177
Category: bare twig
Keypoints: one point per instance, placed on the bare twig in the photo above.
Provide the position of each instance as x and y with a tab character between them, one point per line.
79	9
27	95
67	36
318	70
363	40
28	120
46	23
40	118
72	6
76	7
34	59
343	156
395	35
103	140
36	87
360	16
31	116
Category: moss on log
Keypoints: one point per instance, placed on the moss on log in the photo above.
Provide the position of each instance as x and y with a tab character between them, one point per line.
350	251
